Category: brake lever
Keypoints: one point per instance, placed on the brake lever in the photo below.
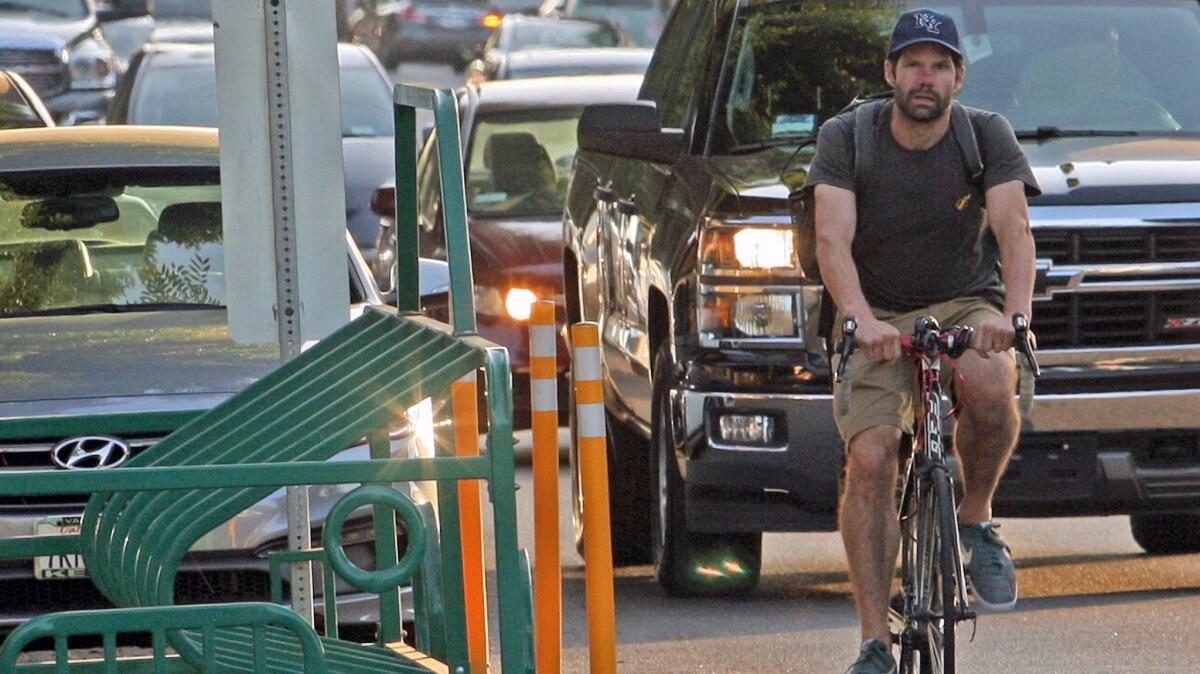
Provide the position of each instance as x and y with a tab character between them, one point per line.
1024	344
849	327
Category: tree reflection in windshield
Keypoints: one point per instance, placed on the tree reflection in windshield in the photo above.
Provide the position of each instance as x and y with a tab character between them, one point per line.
109	245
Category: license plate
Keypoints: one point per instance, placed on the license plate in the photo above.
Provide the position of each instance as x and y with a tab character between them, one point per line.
54	567
454	23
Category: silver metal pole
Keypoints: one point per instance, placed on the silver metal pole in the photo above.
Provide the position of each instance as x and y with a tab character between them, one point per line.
287	306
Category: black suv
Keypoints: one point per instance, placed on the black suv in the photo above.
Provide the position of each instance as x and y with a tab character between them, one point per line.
679	243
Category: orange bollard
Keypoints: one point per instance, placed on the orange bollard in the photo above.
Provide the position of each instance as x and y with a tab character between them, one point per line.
593	474
547	579
470	506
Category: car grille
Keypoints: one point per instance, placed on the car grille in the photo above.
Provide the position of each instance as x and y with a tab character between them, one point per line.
1113	319
42	68
1118	245
36	456
1090	317
191	587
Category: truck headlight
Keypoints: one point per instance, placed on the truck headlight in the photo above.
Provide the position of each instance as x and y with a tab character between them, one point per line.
749	315
92	65
749	250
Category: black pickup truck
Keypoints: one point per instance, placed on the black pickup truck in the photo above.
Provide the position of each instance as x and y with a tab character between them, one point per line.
679	243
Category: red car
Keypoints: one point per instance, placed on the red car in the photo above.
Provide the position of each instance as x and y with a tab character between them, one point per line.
520	144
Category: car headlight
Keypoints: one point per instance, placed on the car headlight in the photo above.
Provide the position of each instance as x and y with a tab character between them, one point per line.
92	65
752	292
750	249
515	303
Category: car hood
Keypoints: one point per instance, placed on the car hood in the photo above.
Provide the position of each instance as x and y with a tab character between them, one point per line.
1071	171
511	249
37	31
192	31
369	163
162	360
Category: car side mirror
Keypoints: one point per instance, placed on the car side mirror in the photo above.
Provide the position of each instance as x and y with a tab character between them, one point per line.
629	130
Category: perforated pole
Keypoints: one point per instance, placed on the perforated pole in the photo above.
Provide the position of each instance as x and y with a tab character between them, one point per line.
593	474
547	579
470	506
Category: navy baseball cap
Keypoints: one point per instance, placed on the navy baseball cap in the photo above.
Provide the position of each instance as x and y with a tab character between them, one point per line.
924	25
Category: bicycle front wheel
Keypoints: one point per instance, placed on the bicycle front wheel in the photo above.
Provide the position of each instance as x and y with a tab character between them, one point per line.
938	600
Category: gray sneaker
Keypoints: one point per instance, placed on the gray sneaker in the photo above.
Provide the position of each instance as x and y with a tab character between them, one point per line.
874	658
991	576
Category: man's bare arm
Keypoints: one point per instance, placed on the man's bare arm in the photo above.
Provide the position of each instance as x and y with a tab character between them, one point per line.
1008	218
836	218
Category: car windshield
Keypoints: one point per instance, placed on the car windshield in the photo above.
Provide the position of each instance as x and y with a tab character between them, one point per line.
69	9
643	20
186	95
90	239
1069	66
528	34
15	111
183	9
519	162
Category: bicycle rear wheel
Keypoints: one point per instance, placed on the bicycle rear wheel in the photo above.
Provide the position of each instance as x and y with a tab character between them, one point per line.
938	598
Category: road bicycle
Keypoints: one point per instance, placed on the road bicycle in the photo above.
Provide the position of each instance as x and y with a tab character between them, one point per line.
933	596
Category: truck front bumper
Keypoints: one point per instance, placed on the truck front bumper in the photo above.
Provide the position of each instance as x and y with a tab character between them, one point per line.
1106	453
789	483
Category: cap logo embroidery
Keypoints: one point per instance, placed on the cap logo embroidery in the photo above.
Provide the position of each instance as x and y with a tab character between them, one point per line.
929	22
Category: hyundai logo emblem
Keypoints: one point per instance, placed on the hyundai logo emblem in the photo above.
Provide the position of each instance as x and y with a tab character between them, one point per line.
90	451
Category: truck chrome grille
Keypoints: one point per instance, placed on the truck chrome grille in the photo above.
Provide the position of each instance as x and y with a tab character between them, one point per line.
1114	319
1118	245
1117	304
42	68
36	456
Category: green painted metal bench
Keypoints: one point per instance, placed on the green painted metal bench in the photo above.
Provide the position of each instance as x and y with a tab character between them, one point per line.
142	518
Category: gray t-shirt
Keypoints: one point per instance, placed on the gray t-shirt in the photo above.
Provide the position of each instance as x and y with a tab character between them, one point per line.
922	234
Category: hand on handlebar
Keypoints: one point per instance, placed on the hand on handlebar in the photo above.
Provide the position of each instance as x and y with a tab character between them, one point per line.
994	335
879	341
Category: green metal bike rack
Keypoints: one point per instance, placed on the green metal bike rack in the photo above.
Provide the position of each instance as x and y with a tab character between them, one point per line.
141	519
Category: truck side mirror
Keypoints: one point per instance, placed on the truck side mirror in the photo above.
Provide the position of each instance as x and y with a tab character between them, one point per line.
629	130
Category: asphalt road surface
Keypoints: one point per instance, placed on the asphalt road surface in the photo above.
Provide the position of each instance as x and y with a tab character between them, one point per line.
1091	601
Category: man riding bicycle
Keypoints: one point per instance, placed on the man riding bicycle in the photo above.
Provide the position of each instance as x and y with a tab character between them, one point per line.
902	231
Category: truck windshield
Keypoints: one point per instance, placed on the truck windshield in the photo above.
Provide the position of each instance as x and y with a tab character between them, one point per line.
1073	66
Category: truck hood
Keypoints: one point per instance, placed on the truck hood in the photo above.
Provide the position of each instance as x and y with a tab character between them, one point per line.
164	357
1083	171
1071	171
198	30
39	31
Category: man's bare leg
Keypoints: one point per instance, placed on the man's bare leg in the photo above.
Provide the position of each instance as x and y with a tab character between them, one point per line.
867	519
987	430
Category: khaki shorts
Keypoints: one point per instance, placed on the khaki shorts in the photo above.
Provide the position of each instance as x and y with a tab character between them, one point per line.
874	394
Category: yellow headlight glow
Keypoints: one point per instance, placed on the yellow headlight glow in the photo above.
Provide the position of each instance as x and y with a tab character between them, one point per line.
764	248
519	303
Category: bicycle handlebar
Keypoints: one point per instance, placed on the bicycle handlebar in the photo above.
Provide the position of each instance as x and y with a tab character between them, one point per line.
930	340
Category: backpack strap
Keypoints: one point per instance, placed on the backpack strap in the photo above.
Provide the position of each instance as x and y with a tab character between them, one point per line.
866	128
968	145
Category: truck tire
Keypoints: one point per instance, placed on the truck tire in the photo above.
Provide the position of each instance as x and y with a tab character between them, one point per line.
690	564
1166	533
629	491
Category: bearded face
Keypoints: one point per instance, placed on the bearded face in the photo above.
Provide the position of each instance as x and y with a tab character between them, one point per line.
925	80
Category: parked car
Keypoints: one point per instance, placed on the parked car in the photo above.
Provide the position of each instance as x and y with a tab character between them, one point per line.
56	45
112	293
716	383
20	107
519	33
176	84
563	63
642	19
444	31
126	25
520	143
186	21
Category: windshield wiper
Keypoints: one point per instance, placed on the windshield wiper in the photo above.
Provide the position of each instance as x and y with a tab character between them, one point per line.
112	309
1043	132
774	142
